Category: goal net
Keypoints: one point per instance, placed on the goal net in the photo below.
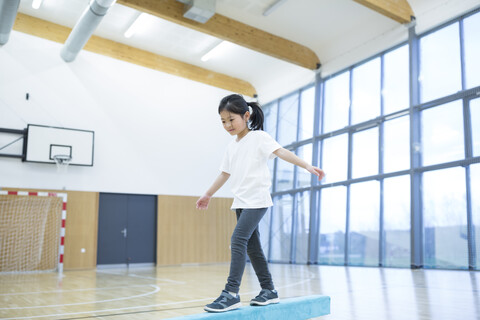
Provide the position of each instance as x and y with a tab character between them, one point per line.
32	230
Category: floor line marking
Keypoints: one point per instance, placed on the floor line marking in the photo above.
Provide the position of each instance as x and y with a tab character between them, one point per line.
109	310
143	277
72	290
147	306
161	279
89	302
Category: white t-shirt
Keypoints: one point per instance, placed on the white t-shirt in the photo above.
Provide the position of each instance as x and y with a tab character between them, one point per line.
246	162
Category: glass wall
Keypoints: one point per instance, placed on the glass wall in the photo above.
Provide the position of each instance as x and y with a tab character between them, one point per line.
302	227
442	133
440	67
264	230
288	117
471	28
363	244
303	176
307	108
445	219
337	102
448	137
333	213
396	234
395	91
475	125
397	163
281	231
396	144
270	123
335	158
475	191
284	176
366	91
365	153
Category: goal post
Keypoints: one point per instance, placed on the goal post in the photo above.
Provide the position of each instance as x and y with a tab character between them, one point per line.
32	231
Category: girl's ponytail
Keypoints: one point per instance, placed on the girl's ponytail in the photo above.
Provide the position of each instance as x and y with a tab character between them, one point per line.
256	116
236	104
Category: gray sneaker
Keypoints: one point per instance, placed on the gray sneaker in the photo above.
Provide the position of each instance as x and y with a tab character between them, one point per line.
225	302
265	297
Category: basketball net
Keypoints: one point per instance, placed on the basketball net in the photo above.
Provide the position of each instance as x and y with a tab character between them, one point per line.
62	161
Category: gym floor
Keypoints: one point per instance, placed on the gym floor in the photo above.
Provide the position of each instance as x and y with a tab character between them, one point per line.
159	293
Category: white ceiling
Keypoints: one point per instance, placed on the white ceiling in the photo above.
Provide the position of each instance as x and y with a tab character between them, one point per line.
340	32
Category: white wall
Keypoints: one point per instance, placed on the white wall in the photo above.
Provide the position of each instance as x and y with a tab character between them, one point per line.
154	133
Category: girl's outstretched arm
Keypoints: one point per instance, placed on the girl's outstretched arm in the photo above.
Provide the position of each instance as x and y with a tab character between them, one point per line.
291	157
202	203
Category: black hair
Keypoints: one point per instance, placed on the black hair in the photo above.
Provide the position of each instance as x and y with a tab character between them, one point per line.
235	103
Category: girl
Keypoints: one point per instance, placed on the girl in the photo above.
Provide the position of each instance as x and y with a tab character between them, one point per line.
245	163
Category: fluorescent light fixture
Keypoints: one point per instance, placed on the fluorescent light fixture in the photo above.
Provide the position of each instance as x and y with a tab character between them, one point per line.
137	25
36	4
216	51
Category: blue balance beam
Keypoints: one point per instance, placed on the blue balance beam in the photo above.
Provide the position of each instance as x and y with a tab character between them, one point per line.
293	308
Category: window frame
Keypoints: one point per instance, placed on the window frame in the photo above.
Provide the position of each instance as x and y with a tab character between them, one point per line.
415	169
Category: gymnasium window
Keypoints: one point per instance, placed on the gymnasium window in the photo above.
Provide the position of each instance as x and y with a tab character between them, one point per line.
475	123
440	72
284	176
270	126
396	144
304	177
366	91
281	231
384	153
396	208
395	90
445	219
337	102
471	28
333	208
264	229
363	236
288	117
475	189
302	227
307	108
270	112
365	153
442	133
335	158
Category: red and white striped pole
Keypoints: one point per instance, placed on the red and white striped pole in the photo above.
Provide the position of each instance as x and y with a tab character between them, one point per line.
61	249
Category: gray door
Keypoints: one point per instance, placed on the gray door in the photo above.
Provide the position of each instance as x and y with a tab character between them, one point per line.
126	229
141	226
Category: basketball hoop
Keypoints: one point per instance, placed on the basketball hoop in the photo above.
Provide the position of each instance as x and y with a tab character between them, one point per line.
62	161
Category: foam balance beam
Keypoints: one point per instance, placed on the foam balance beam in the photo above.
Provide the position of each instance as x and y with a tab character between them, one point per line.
293	308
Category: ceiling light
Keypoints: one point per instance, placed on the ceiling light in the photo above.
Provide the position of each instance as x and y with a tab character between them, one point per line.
36	4
216	51
137	25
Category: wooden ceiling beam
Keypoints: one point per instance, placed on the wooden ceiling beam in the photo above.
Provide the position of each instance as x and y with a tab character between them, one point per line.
398	10
54	32
228	29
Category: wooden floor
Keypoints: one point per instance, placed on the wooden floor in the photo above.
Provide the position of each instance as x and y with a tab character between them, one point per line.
164	292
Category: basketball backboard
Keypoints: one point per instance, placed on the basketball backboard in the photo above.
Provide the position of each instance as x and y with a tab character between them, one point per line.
44	143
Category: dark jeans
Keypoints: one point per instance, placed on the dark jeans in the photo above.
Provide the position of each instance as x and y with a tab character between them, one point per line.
246	240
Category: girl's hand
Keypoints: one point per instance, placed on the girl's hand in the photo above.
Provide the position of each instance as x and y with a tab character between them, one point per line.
316	171
202	203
